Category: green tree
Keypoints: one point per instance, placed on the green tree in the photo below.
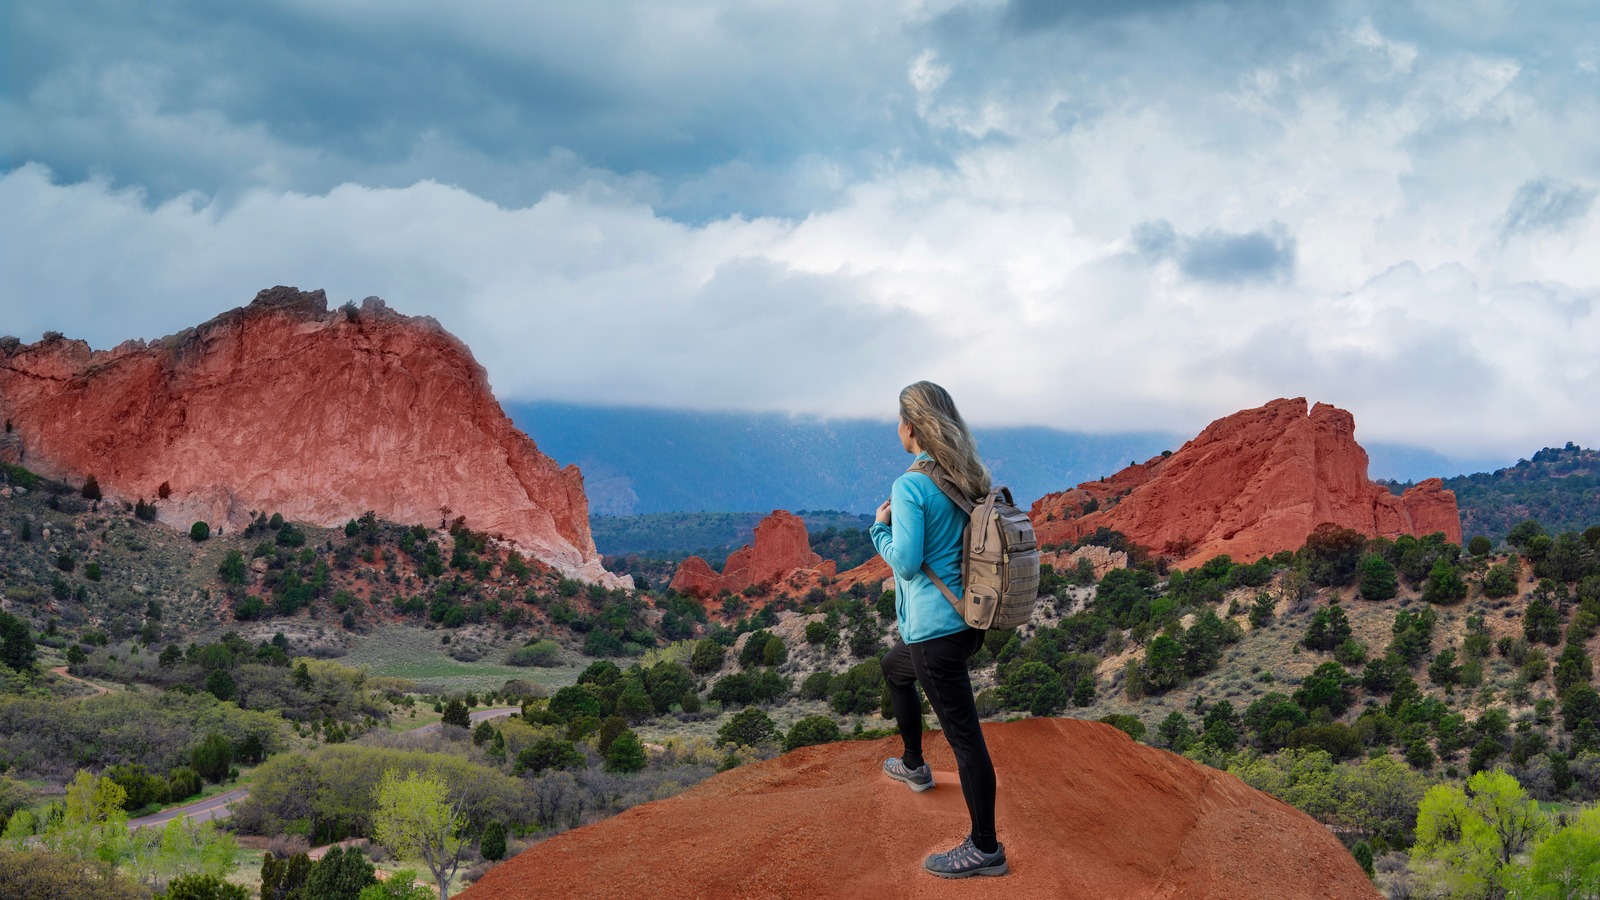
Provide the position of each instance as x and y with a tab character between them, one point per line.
455	713
1467	839
811	730
626	754
749	727
204	887
1500	581
212	757
199	531
549	753
493	844
221	685
1564	865
342	874
1479	546
634	703
284	878
1444	584
1378	580
17	650
91	488
415	818
232	568
707	657
1163	664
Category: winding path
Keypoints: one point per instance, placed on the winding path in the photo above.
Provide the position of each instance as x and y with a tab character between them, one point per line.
220	806
97	688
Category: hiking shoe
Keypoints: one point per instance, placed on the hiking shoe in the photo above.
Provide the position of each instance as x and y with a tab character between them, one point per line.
919	779
966	860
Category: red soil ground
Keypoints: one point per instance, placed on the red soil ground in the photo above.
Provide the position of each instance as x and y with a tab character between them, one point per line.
1084	812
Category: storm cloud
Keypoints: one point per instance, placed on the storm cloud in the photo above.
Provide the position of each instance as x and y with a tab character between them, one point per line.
1160	212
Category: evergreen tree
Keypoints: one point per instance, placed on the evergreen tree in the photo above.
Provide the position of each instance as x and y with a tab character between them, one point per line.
627	754
455	713
340	875
493	845
1378	579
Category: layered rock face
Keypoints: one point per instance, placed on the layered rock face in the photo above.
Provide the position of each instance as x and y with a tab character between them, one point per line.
1083	811
1251	484
284	406
780	548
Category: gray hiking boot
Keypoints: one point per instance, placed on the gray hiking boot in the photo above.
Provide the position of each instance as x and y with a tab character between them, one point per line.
966	860
919	779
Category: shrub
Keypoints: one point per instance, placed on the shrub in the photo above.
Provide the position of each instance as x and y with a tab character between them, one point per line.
455	713
197	886
212	757
816	632
811	730
199	531
91	488
707	657
37	874
1127	724
749	727
543	653
1479	546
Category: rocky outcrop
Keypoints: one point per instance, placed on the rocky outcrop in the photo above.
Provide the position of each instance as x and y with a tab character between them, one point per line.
285	406
1249	485
780	549
1083	811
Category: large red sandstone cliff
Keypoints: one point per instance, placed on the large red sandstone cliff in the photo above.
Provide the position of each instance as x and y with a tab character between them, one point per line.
1084	812
780	548
284	406
1249	485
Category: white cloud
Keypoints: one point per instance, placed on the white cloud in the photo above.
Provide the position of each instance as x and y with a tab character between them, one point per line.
1361	180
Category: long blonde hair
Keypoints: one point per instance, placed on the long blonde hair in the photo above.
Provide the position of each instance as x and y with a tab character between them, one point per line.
941	431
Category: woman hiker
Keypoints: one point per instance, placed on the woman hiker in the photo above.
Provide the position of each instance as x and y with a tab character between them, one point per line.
918	525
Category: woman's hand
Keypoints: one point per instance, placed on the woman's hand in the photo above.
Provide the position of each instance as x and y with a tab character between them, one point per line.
883	513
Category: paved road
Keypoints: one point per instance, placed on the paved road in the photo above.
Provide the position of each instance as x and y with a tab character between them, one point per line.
220	806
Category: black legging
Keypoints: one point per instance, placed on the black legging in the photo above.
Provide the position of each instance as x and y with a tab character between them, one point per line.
940	666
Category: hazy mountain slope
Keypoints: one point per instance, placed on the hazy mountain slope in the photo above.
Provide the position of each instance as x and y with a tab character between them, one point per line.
638	461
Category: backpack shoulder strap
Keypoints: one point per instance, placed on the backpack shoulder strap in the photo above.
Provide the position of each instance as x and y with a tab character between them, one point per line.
932	469
943	588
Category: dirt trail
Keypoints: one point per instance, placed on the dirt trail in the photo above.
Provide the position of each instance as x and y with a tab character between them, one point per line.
97	688
1083	811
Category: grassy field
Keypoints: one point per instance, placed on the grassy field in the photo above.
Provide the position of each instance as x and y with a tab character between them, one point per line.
418	655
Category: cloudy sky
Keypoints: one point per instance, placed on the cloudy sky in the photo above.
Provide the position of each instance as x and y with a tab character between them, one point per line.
1093	215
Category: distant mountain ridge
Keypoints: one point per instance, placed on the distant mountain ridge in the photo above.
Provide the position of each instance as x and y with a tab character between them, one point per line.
637	461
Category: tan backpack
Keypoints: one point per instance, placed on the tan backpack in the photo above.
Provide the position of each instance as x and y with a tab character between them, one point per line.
999	557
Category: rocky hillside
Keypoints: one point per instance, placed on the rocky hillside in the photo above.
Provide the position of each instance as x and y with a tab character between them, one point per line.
1082	809
1559	487
1250	485
283	405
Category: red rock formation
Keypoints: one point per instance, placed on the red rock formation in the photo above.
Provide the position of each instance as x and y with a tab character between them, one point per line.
779	549
284	406
1082	809
1249	485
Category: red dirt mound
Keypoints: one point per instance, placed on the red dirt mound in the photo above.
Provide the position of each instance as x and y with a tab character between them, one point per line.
1084	812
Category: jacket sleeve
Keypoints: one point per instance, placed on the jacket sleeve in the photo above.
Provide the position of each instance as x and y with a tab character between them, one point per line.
900	542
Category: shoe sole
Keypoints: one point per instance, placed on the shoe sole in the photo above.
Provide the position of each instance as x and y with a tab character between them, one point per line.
919	788
1001	869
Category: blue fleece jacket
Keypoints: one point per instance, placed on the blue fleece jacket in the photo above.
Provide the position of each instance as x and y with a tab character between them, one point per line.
925	525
